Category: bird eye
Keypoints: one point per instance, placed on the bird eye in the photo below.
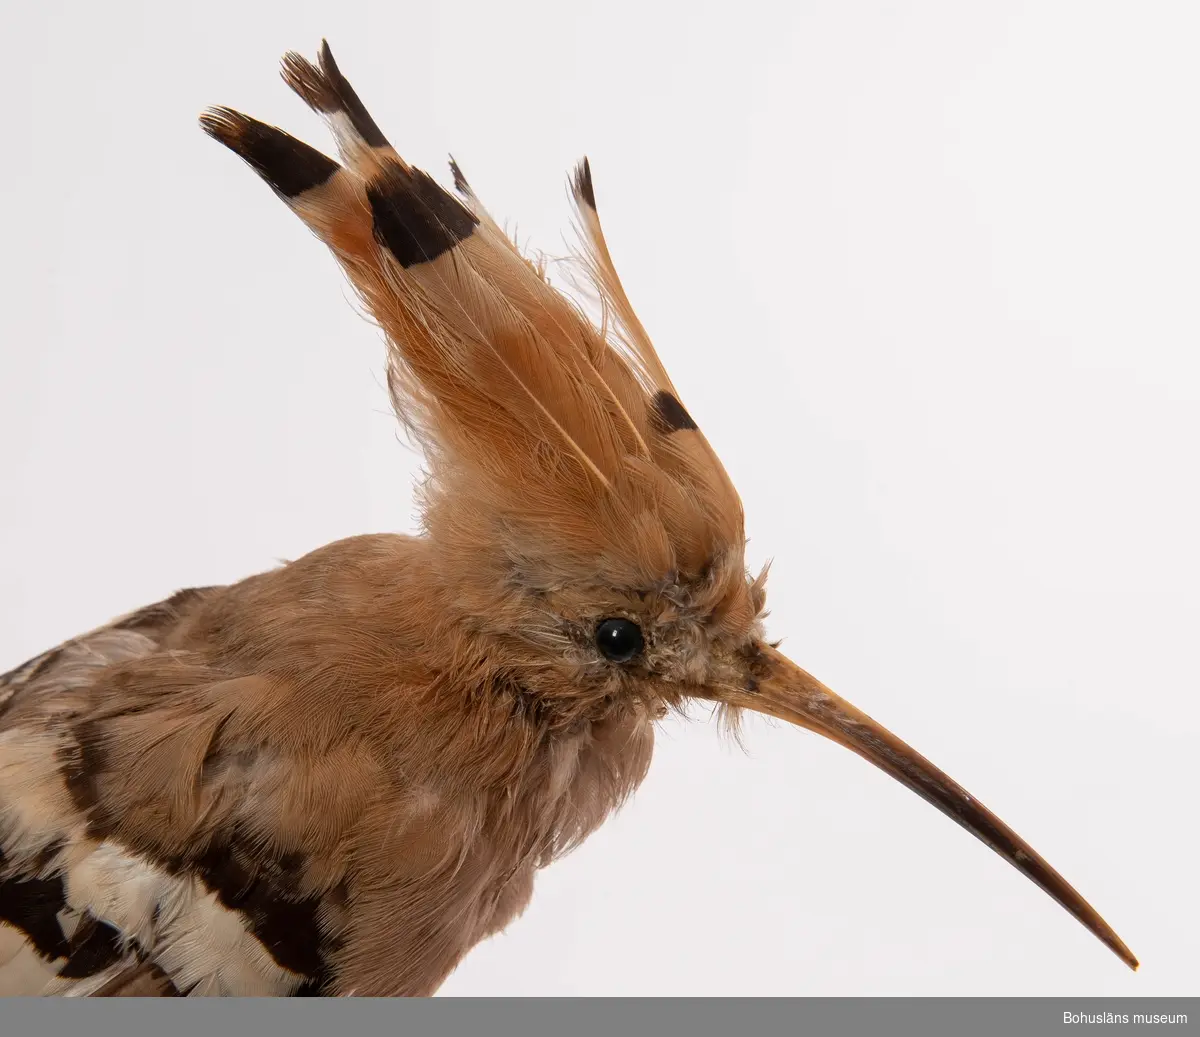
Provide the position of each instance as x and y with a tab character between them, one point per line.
619	639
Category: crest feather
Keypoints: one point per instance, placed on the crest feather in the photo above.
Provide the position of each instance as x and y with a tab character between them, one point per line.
561	436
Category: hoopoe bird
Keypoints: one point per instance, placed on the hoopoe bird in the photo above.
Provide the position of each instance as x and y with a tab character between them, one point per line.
339	776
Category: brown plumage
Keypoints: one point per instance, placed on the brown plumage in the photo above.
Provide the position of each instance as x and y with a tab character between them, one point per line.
339	776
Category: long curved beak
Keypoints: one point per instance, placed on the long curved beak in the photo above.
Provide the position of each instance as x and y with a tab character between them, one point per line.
780	688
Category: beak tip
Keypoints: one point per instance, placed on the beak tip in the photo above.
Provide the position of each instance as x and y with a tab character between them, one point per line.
1117	946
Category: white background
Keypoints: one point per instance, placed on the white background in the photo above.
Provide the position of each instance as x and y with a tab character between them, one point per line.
926	275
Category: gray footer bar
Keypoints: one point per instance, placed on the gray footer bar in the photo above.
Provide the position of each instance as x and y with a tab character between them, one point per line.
567	1017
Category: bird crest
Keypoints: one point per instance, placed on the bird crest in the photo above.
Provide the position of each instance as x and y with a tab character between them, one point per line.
557	440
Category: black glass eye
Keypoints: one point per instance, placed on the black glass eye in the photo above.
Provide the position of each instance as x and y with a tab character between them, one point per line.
619	639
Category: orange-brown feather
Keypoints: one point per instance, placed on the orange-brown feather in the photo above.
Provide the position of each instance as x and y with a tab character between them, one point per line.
545	430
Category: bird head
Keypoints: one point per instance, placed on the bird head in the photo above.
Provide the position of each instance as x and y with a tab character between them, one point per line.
584	530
